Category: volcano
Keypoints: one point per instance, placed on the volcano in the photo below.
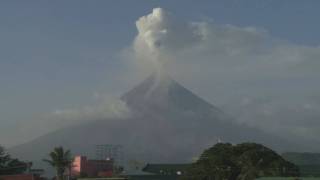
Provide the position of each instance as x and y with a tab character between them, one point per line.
168	123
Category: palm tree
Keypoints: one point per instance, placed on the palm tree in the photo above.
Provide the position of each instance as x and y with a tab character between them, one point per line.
60	160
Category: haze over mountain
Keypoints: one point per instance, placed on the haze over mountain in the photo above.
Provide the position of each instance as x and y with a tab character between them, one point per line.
268	85
167	123
56	68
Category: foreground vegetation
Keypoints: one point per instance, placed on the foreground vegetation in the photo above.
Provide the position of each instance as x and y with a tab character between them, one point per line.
223	161
246	161
9	165
61	160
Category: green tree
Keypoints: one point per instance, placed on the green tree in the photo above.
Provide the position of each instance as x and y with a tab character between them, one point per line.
245	161
61	160
10	165
256	160
218	167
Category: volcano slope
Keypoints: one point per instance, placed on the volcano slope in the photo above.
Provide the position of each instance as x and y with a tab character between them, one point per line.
168	123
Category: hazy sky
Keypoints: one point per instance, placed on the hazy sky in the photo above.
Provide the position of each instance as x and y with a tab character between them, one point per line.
67	54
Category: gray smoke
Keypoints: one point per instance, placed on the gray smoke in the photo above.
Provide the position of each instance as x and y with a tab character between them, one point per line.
264	81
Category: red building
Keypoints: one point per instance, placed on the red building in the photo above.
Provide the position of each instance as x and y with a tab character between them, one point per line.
20	177
82	166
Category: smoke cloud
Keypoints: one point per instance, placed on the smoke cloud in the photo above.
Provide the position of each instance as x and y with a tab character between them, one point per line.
160	34
261	80
109	109
103	108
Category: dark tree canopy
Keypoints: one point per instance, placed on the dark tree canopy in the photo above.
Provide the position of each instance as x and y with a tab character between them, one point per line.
10	165
245	161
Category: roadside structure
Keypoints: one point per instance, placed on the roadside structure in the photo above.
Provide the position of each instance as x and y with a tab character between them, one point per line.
83	167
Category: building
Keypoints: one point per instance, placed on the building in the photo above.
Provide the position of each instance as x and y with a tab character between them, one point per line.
166	169
29	174
152	172
110	151
21	177
83	167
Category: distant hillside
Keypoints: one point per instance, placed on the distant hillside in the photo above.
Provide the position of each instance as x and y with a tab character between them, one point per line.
302	158
308	163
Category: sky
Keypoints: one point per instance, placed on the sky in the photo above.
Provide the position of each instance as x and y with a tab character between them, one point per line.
62	55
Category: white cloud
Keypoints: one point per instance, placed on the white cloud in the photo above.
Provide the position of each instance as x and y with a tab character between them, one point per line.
159	33
224	63
111	108
104	108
